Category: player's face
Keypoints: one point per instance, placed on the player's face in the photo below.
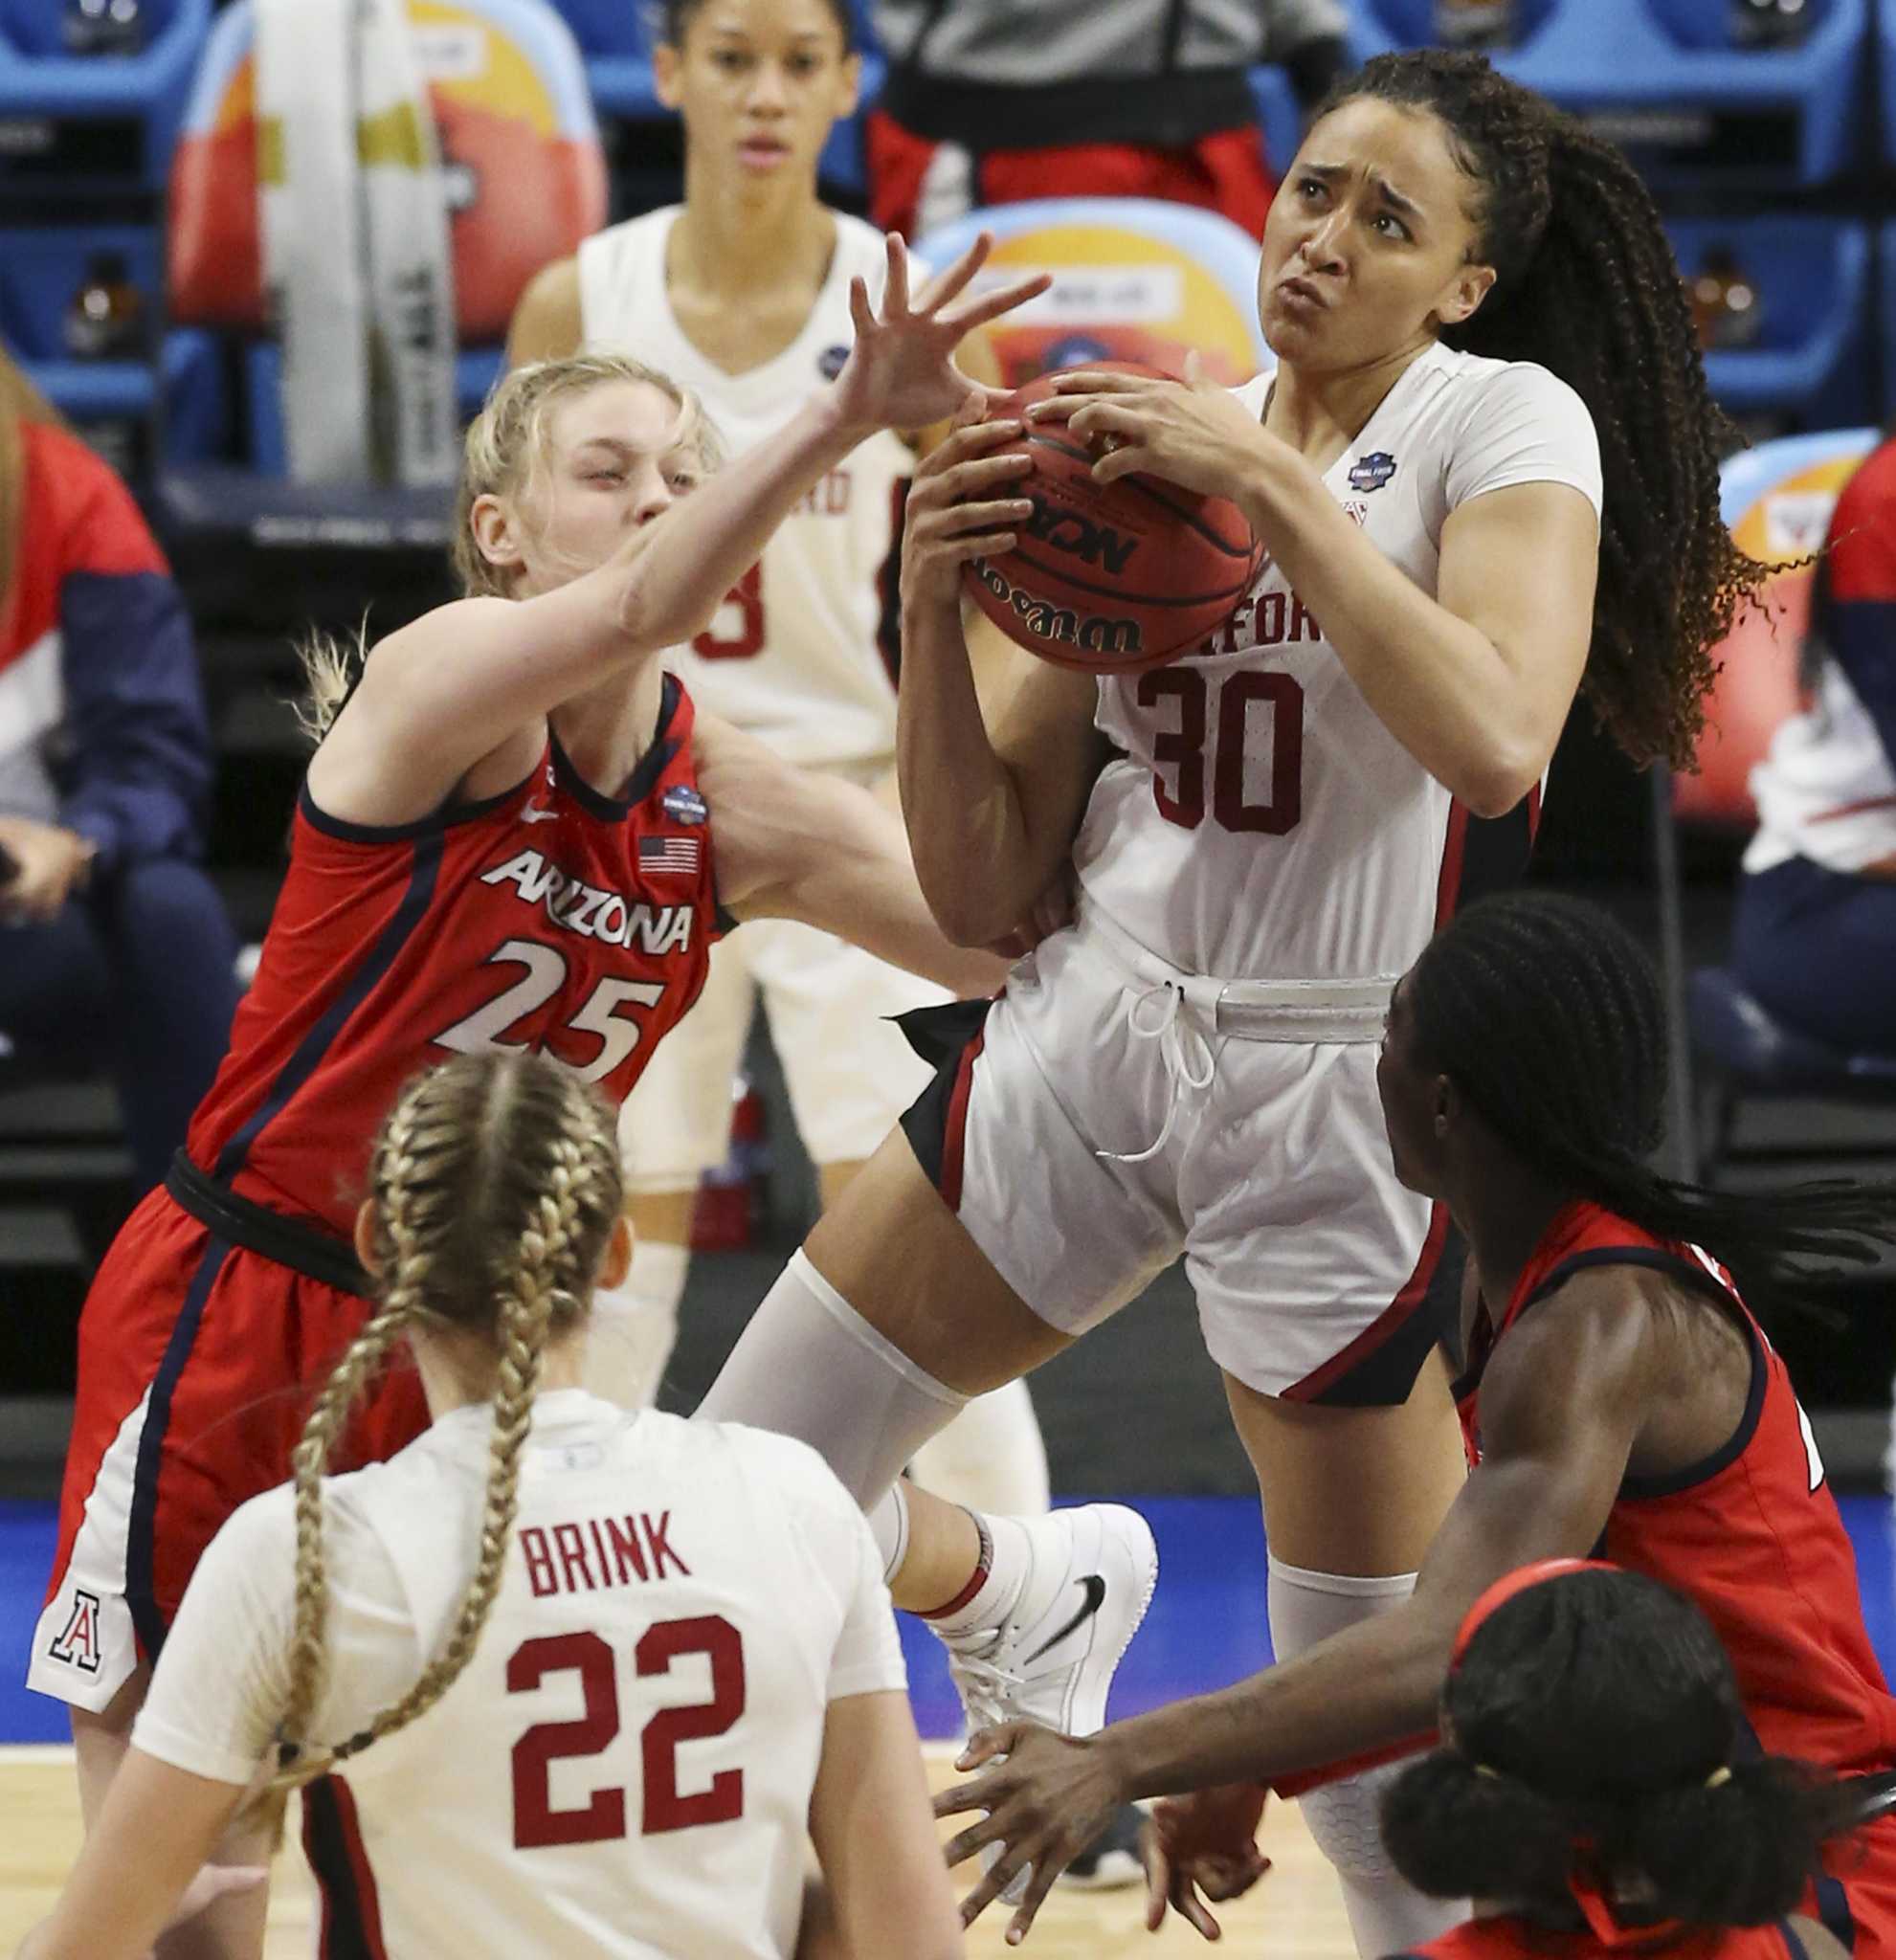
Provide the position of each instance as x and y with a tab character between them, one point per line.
1409	1094
612	461
759	82
1368	250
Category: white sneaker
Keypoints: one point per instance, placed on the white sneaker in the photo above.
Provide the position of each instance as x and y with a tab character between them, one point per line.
1051	1659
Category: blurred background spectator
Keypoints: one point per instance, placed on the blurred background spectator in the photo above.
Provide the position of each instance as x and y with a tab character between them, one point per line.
1815	936
990	103
115	949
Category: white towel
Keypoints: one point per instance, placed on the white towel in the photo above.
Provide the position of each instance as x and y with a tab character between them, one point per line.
356	249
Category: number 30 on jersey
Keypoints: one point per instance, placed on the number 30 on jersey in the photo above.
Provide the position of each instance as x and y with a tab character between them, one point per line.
1267	709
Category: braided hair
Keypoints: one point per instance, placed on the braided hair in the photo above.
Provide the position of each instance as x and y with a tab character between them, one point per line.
1585	286
496	1185
1547	1014
1591	1721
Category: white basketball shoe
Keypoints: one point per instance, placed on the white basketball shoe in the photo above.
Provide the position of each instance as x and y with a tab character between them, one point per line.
1051	1659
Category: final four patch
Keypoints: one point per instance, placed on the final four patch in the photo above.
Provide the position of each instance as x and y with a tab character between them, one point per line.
682	804
831	362
1373	471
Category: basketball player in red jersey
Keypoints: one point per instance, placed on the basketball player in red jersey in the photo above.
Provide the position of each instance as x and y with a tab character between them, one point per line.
503	840
1596	1788
1618	1398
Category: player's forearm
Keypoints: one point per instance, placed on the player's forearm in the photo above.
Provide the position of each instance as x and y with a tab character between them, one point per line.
967	826
1439	686
1372	1686
670	582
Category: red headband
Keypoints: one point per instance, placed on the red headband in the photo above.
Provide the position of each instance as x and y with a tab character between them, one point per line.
1513	1583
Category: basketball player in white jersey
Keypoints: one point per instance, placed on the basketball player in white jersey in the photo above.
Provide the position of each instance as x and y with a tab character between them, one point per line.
1482	469
743	292
613	1666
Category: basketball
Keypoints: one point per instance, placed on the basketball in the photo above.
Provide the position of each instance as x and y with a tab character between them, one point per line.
1110	577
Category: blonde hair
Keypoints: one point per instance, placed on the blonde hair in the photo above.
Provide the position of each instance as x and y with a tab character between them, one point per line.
506	447
20	403
495	1185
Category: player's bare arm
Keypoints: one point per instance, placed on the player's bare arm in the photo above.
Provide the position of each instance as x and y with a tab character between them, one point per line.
1564	1400
465	681
142	1865
794	844
1475	682
991	817
887	1890
547	322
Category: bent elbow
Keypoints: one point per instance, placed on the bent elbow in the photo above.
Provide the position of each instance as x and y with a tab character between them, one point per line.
1498	782
966	921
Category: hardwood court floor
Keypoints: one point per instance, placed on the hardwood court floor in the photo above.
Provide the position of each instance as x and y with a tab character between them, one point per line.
1294	1915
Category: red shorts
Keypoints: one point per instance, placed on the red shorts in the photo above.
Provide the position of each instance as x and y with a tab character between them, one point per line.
198	1363
1224	172
1858	1901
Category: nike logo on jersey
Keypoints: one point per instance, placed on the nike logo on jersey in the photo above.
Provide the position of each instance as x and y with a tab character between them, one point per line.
1095	1589
576	906
533	814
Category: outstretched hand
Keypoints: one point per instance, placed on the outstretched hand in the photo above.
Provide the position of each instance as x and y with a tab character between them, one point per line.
901	373
1046	1795
1206	1843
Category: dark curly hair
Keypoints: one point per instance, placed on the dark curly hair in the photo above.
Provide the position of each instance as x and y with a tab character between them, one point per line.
1587	286
1596	1731
675	18
1548	1015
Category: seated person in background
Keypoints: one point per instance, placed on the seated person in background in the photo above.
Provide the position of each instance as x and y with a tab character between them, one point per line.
1815	939
990	102
1599	1787
115	948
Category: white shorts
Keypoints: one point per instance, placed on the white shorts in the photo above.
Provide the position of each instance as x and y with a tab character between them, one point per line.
1318	1276
850	1072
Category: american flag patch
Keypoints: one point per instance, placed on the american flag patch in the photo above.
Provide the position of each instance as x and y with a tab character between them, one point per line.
676	855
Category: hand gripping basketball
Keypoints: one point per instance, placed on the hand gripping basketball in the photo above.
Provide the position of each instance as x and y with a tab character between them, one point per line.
1114	569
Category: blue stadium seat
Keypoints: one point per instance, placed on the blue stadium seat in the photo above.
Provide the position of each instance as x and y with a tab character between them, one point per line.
92	124
1813	276
1661	76
1280	113
41	269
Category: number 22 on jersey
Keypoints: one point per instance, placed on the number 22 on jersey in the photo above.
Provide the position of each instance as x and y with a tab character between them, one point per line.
665	1807
1270	704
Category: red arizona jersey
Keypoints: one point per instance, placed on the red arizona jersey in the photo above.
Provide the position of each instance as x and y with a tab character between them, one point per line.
1504	1937
549	917
1752	1534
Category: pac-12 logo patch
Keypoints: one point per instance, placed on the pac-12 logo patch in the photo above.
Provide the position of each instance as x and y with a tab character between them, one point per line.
682	804
832	361
78	1645
1373	471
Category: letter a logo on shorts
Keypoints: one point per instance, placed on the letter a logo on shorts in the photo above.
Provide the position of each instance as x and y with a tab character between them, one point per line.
77	1646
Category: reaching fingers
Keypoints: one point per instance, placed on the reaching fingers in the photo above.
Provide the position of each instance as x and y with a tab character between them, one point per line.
1189	1907
1106	380
1153	1857
862	315
973	448
985	1743
1039	1883
895	290
992	1883
952	280
990	305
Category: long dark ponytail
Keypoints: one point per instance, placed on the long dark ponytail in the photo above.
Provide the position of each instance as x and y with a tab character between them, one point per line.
1596	1736
1548	1015
1587	286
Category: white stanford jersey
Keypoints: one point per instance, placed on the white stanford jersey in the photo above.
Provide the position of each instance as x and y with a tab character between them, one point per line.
624	1769
1263	823
796	655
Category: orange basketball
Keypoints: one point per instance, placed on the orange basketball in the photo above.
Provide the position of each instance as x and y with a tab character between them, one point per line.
1110	577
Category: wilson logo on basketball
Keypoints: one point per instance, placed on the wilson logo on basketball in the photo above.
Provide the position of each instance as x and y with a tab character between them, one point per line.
1066	530
1091	632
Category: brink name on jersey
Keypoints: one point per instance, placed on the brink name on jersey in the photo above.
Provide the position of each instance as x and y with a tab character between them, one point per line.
575	905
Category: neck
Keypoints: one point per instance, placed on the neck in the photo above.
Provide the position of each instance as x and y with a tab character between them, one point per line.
737	239
605	730
1503	1210
457	1375
1312	411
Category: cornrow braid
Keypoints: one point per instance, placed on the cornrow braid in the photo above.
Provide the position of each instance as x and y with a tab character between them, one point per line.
1547	1014
1587	286
496	1185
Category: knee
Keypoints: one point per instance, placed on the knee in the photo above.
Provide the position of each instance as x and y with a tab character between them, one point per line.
1344	1822
163	898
